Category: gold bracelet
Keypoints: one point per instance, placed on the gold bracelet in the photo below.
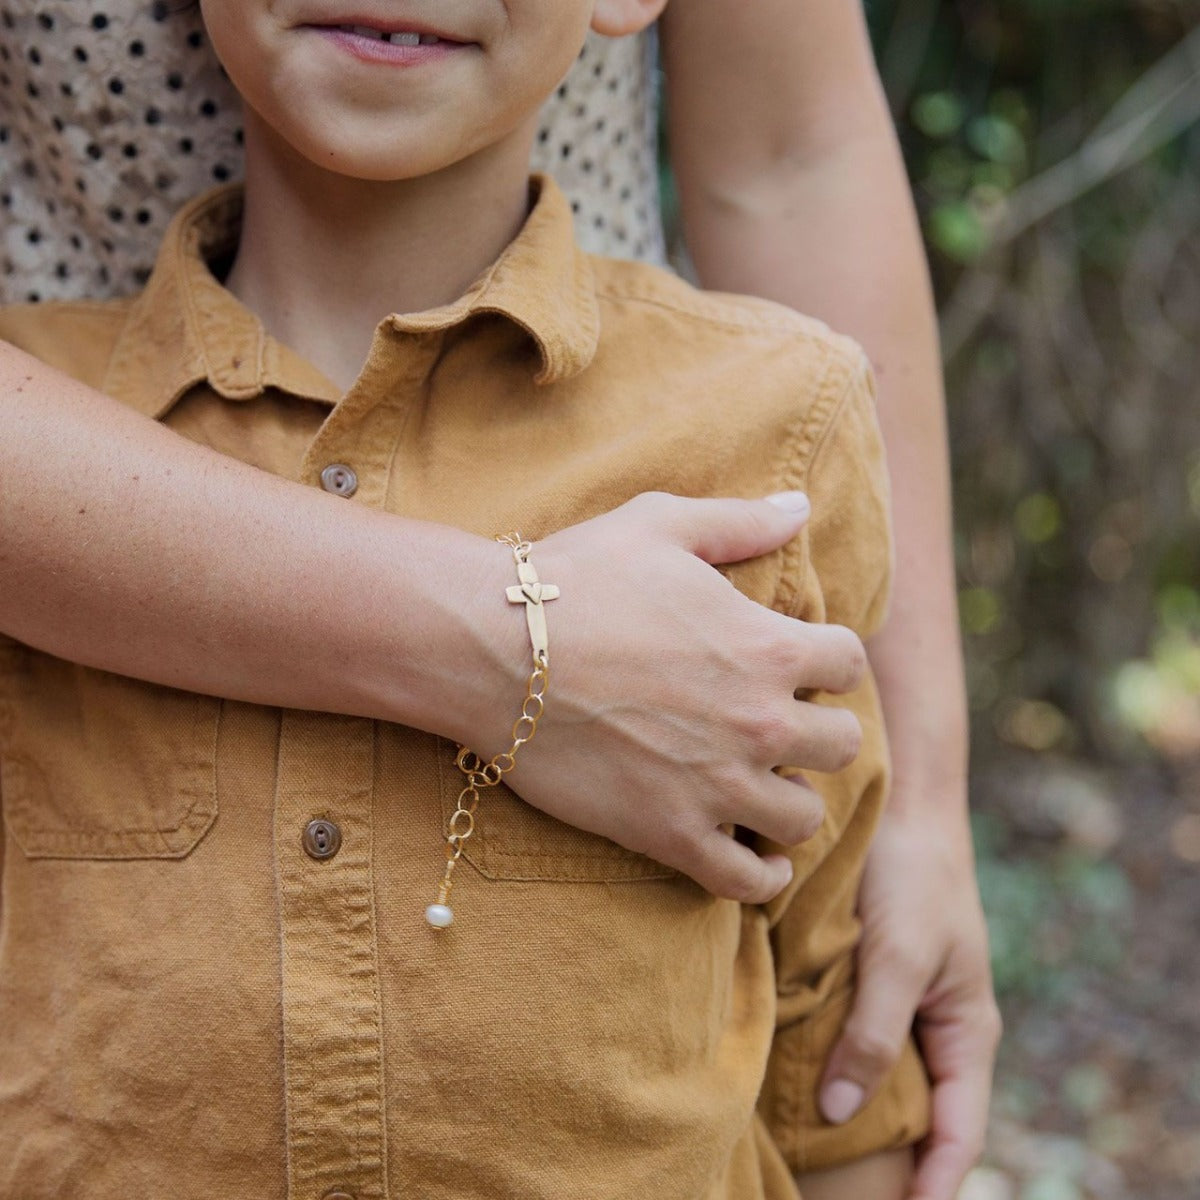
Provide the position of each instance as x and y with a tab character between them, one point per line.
531	592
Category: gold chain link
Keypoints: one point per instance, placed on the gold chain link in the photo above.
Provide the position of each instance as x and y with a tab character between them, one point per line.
478	774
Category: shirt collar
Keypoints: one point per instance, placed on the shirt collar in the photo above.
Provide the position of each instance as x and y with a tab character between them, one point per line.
185	328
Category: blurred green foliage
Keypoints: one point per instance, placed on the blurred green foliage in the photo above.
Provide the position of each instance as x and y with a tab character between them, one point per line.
1052	917
1069	287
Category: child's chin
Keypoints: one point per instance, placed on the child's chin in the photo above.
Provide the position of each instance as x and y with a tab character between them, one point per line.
370	162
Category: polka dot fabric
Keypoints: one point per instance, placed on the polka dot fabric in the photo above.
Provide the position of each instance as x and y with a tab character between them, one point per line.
599	139
112	114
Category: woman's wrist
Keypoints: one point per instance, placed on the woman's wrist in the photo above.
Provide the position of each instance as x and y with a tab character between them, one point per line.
483	653
927	732
436	645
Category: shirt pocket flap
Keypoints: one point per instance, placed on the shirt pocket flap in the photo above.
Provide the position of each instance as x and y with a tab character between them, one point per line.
513	840
97	766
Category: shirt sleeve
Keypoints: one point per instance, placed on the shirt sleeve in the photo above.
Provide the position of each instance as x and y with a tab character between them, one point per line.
842	577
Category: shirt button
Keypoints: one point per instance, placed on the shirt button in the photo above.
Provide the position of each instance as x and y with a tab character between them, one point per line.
322	839
339	479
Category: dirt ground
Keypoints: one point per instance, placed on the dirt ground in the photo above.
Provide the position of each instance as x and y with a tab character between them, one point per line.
1093	890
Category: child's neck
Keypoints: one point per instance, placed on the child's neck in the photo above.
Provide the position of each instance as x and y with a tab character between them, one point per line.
323	258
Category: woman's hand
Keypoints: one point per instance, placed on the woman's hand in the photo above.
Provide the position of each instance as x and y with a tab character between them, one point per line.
924	951
672	695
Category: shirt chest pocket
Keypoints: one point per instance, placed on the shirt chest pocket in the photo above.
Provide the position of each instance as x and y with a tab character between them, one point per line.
513	840
96	766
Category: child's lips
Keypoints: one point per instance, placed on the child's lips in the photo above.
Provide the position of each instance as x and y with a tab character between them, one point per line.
384	43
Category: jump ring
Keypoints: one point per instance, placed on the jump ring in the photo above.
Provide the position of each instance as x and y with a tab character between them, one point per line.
461	826
467	760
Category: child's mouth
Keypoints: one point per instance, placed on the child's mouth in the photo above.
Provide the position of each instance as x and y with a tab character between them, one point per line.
399	47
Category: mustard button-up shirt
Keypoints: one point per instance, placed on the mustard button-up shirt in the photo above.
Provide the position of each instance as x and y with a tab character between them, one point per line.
201	994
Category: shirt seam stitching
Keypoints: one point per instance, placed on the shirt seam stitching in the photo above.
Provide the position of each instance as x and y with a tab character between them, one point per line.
796	326
812	431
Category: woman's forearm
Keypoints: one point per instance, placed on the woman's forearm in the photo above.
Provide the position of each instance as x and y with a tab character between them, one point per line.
126	547
801	196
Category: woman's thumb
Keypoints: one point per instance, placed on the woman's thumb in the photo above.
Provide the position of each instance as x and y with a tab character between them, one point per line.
747	528
728	531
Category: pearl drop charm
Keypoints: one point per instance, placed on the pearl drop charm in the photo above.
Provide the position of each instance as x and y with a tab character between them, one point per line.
439	915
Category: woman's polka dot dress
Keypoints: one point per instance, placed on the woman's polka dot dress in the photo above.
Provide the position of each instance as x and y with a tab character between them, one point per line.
112	114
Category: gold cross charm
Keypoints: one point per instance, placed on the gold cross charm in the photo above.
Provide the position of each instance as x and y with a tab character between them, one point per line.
531	592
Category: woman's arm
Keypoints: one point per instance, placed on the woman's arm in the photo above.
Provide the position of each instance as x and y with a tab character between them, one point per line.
126	547
792	187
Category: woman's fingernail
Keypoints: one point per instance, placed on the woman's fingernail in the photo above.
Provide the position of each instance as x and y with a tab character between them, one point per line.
840	1100
795	502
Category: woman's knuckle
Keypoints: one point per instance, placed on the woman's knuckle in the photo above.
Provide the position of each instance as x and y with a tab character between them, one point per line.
849	740
807	817
723	878
685	845
893	959
874	1049
703	873
767	647
802	822
748	798
770	733
993	1024
693	856
746	721
792	831
728	786
743	886
854	655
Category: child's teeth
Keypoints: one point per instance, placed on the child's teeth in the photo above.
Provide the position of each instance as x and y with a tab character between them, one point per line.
397	39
